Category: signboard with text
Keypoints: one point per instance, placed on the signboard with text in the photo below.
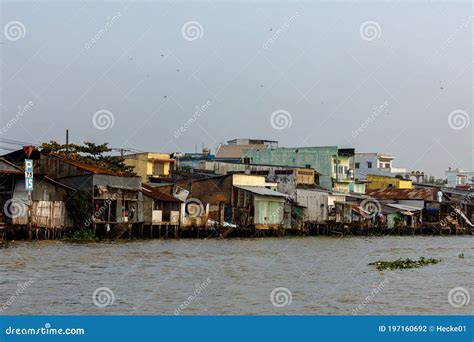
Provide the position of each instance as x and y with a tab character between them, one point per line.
28	175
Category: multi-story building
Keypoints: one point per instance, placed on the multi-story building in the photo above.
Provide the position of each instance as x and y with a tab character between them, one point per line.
233	150
150	165
458	178
381	164
333	164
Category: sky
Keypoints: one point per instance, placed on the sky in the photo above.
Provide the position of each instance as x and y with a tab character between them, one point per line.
392	77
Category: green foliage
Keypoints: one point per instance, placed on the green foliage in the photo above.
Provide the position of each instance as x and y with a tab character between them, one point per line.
91	153
79	207
82	235
403	263
461	256
397	221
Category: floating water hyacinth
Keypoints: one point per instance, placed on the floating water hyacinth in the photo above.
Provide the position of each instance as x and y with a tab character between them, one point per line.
403	263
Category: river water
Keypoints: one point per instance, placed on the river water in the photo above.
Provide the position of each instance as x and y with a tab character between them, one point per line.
311	275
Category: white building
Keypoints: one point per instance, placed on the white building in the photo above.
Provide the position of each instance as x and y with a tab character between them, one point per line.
458	177
376	163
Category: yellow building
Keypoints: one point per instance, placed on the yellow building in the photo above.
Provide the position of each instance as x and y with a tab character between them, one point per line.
149	165
384	182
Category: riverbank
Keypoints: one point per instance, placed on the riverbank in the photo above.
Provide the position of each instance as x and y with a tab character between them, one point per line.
216	232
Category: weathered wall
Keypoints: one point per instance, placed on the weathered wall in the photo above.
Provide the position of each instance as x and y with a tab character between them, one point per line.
318	158
316	203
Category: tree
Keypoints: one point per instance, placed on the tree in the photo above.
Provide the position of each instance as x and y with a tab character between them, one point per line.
91	153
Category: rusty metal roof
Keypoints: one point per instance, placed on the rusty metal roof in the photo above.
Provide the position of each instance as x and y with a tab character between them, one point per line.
158	195
86	166
401	194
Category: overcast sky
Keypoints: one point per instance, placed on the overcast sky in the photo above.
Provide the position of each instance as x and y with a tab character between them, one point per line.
393	77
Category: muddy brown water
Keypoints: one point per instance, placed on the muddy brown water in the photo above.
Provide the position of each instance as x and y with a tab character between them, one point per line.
323	276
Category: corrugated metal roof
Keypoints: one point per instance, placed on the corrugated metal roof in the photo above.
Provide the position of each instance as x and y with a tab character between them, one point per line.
262	191
158	195
403	207
85	166
418	194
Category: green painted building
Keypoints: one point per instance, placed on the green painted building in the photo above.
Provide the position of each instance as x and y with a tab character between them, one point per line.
322	158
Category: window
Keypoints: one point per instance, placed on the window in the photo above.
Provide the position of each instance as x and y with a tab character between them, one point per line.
283	172
246	160
259	172
387	165
357	165
369	165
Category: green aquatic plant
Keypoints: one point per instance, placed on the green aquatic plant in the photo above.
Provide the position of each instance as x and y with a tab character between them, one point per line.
83	234
403	263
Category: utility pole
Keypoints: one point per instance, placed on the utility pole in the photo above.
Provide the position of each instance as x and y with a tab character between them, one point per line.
67	142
